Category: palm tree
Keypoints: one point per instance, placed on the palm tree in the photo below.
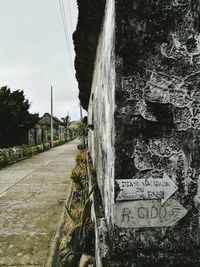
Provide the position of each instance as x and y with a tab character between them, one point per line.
66	120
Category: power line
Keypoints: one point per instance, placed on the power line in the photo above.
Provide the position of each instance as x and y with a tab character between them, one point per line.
64	21
66	32
70	15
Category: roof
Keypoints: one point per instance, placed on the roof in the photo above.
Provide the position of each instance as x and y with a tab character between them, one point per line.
46	120
85	41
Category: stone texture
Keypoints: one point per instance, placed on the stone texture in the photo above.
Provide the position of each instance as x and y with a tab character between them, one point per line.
157	47
145	106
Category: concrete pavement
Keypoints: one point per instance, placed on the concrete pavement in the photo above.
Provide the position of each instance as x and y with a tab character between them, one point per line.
31	202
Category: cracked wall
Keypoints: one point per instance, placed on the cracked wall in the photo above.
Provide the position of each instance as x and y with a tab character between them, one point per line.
158	120
145	109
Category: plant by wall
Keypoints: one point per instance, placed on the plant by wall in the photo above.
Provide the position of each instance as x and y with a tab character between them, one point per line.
14	154
27	152
79	175
81	146
46	146
79	229
59	142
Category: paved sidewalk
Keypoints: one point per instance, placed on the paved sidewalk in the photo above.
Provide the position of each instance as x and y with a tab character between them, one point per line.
31	202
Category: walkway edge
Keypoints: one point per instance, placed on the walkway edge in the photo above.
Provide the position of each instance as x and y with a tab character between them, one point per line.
53	253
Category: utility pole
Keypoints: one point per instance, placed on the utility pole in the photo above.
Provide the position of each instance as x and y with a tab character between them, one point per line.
51	116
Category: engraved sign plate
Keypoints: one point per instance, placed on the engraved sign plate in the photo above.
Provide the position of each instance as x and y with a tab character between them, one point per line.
143	213
135	189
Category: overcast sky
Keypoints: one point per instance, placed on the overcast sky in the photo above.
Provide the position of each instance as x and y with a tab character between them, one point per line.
34	54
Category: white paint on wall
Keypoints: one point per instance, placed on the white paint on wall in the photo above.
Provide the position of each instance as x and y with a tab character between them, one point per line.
101	111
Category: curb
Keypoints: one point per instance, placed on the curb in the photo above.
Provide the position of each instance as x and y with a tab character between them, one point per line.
53	253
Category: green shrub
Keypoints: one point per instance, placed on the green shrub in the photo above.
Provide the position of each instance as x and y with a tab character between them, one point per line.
27	151
34	150
58	142
2	161
79	174
77	179
40	148
62	141
46	146
13	154
81	146
81	157
4	157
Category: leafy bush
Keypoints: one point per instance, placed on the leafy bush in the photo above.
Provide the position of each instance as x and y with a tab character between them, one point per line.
81	146
34	150
58	142
81	157
4	157
76	178
40	148
79	175
62	141
2	163
46	146
11	155
15	153
27	151
55	143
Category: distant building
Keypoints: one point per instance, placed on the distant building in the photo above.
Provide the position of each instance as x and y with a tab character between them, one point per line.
58	126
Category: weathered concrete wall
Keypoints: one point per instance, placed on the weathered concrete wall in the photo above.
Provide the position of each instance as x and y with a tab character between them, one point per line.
145	108
61	132
101	138
101	111
37	136
158	126
31	137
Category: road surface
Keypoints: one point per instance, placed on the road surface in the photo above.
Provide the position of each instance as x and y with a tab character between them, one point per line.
32	193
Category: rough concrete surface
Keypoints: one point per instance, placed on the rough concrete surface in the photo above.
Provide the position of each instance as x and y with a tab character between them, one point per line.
144	113
32	193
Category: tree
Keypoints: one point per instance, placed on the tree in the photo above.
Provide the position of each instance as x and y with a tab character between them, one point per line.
14	111
66	120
